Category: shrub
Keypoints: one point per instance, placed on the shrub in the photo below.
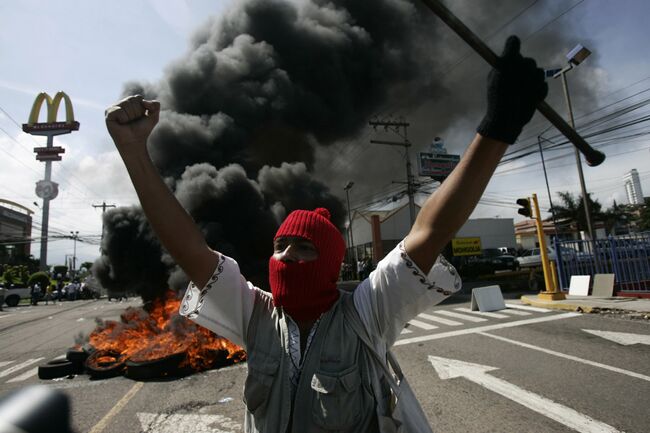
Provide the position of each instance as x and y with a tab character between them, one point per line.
41	278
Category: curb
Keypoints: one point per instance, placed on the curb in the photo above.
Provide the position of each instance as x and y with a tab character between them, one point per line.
556	306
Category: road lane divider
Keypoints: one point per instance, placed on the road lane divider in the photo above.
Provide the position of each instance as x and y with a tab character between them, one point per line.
103	423
570	357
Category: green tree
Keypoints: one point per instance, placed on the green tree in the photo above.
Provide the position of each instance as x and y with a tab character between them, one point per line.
571	210
618	218
643	221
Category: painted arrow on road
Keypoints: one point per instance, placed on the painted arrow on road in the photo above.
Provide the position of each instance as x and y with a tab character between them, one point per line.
623	338
477	373
195	423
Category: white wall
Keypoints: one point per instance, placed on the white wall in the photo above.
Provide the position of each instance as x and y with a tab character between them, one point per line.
494	232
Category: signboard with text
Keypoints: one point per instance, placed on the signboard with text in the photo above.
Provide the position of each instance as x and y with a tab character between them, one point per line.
436	165
466	246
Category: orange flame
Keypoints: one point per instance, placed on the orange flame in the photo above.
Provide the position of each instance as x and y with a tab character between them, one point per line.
161	332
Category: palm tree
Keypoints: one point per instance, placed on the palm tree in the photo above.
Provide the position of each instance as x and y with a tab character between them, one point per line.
571	211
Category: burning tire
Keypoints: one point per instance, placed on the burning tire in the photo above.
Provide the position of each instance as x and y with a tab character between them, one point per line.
55	369
104	364
174	365
78	356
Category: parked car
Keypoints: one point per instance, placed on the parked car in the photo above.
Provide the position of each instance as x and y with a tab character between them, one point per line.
533	258
15	293
492	260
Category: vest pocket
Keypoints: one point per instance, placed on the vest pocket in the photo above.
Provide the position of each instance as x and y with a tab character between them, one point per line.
339	399
261	374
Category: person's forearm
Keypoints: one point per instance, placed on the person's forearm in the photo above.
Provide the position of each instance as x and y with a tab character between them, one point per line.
445	212
176	230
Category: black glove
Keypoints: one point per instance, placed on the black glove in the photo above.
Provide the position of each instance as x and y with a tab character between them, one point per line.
514	89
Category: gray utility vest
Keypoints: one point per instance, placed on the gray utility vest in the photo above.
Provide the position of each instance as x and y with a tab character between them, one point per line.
334	391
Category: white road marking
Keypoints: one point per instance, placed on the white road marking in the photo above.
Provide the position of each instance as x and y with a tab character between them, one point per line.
528	308
20	366
515	312
422	325
437	319
461	316
103	423
81	319
3	363
483	313
178	422
452	368
484	328
406	331
6	315
572	358
24	376
623	338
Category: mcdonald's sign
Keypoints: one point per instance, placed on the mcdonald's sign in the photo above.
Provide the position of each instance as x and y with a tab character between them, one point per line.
33	126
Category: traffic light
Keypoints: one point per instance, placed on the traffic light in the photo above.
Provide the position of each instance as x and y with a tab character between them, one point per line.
525	207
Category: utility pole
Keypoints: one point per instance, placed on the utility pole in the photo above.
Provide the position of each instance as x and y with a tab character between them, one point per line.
104	206
396	127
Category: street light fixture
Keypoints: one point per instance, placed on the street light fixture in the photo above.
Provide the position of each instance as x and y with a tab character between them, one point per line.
576	56
75	235
347	188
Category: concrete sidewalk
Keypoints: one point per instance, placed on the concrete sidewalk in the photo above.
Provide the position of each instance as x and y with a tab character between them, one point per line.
591	304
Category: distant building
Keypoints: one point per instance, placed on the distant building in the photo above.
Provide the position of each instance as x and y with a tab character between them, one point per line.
633	187
15	228
390	221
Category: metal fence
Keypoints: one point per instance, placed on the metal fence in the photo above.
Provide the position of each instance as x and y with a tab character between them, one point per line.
627	257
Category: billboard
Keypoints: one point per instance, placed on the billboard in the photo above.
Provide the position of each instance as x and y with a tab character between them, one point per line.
436	165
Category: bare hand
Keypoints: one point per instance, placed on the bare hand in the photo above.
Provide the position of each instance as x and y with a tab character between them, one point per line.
130	121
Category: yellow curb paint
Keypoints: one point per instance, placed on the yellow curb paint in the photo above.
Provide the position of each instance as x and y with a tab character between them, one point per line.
101	425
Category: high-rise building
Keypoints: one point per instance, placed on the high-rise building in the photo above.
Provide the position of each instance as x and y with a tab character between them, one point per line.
633	187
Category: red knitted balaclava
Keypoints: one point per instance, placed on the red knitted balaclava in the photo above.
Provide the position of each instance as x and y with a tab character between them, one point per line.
307	289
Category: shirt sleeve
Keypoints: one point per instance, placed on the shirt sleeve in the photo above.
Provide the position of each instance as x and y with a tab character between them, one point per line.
398	290
224	305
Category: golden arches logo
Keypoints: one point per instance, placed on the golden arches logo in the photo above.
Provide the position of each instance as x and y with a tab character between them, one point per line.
51	126
52	108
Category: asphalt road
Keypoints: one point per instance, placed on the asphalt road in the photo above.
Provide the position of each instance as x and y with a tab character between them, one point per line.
519	371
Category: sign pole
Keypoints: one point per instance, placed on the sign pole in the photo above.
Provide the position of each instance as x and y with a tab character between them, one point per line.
46	189
46	211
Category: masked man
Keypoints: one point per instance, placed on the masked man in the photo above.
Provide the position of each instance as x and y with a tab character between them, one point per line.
307	368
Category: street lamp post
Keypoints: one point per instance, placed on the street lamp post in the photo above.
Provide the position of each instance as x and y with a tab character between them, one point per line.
75	235
347	188
575	57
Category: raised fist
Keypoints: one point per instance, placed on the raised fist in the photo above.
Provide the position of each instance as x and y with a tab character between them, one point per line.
130	121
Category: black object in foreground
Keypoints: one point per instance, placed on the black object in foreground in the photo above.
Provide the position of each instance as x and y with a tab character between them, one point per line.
36	409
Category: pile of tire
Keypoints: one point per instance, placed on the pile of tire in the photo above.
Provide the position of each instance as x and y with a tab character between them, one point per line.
73	364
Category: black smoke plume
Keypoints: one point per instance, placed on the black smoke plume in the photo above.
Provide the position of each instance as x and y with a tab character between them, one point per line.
267	107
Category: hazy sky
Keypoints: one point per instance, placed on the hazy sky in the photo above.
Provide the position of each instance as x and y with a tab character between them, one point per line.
89	49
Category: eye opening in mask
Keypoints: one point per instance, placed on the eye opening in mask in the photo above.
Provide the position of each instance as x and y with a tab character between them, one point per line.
294	248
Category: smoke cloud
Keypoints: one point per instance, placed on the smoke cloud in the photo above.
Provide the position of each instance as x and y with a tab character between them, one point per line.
268	107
